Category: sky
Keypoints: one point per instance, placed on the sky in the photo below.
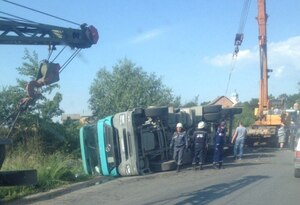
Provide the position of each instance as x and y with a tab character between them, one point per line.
188	43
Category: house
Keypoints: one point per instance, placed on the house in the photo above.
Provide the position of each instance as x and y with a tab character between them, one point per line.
226	102
75	117
222	100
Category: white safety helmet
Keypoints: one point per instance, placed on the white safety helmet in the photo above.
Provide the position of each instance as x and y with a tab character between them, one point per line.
201	125
179	125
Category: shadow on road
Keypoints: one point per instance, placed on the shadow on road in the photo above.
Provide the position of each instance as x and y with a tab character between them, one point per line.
212	193
249	153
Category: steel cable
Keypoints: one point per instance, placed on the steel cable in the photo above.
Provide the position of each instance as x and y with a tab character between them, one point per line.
243	19
41	12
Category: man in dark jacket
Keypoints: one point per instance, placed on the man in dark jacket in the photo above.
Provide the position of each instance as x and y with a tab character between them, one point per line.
219	145
179	142
198	144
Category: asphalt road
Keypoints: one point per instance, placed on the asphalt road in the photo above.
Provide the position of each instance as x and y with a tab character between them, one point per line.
264	176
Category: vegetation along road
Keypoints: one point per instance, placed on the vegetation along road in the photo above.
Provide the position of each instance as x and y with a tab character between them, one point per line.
264	176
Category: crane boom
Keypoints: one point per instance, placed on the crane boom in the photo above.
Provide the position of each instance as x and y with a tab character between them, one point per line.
31	33
16	32
262	21
268	120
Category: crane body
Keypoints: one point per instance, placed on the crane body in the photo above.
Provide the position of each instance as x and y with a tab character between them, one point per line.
30	33
270	114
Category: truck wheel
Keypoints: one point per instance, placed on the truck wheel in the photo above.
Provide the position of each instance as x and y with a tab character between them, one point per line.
212	117
17	178
2	154
297	173
162	166
156	112
211	108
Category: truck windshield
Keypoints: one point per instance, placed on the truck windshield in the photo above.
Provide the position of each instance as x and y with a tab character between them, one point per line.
89	150
108	147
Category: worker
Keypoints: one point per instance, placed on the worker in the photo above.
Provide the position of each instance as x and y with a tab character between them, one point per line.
239	138
281	136
199	145
179	143
219	145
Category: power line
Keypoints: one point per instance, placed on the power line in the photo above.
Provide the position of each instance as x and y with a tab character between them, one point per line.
47	14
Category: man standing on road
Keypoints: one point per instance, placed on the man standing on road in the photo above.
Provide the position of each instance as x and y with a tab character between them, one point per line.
239	137
179	142
198	144
219	145
281	136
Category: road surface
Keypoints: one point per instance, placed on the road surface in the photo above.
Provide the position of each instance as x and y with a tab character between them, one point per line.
264	176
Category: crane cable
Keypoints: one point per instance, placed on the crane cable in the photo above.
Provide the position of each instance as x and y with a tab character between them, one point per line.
41	12
238	39
17	18
69	60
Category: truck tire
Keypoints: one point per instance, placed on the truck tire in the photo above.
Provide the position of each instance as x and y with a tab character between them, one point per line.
162	166
212	108
17	178
297	173
212	117
157	112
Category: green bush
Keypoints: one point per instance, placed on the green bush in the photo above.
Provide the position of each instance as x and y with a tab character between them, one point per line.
53	170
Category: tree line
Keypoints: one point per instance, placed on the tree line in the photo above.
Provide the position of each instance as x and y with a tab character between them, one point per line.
121	88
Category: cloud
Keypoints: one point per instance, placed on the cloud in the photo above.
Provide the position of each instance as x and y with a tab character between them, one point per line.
147	36
283	57
225	60
278	71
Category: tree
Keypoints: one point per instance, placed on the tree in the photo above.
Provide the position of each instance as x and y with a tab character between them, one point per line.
247	116
127	87
194	102
36	121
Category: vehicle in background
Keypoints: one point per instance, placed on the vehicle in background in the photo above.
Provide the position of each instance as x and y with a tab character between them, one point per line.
137	142
297	160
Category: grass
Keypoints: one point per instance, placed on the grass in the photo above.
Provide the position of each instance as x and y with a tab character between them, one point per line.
53	170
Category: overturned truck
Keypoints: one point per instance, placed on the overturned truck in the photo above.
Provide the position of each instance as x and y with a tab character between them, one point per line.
137	142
